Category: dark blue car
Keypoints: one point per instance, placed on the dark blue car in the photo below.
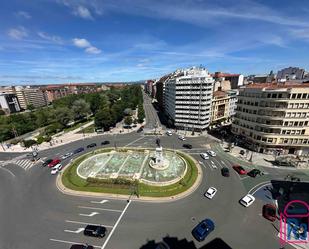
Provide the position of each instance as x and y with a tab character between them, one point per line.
201	231
79	150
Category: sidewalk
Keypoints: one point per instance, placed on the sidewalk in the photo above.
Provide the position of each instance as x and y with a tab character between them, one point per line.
69	137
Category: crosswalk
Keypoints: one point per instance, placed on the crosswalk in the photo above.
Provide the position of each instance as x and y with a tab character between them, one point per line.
26	164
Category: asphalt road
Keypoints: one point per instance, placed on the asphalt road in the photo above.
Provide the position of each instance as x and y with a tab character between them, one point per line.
34	214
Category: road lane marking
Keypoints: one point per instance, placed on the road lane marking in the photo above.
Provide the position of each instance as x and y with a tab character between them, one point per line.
209	166
70	242
76	231
116	224
9	171
134	141
100	202
103	209
86	223
90	215
263	184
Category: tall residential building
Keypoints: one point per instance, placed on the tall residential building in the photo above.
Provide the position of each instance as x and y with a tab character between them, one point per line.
274	117
160	88
187	98
27	96
223	106
9	103
291	73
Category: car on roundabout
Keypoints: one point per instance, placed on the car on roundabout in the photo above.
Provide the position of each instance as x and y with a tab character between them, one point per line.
91	145
204	156
254	172
203	229
182	138
269	212
56	169
78	150
54	162
210	193
225	172
240	170
46	162
247	200
211	153
188	146
95	231
67	155
105	142
81	246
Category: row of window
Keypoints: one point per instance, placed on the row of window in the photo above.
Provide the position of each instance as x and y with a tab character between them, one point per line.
276	95
295	123
298	106
293	132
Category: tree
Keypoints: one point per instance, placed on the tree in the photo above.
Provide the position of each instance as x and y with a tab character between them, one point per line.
80	109
30	107
128	120
28	143
141	113
103	119
63	115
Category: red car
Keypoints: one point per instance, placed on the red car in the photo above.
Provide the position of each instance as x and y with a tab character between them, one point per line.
240	170
53	163
269	212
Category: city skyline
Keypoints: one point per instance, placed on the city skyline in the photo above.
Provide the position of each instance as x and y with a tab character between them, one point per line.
57	41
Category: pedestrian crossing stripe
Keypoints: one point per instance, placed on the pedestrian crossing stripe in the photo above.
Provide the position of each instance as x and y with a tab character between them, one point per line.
25	164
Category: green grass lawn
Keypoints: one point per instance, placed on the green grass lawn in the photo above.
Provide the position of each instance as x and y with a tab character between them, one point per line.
89	129
71	180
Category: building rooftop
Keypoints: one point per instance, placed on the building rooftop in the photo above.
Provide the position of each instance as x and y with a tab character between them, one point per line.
277	85
219	94
220	74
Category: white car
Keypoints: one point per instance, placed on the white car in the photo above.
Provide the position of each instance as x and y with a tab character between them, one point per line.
211	153
247	200
67	155
210	193
169	133
56	169
182	138
204	156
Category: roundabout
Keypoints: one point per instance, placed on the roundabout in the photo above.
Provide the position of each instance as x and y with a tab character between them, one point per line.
142	172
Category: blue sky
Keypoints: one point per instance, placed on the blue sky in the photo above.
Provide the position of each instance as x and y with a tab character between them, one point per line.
54	41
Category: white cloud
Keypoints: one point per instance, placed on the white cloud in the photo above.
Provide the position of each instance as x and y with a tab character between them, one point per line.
93	50
82	12
18	33
52	38
23	14
83	43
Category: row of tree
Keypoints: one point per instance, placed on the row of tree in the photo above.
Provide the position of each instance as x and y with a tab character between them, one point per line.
107	107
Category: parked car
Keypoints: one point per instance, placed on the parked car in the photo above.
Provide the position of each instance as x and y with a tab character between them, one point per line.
95	231
91	145
225	172
204	156
46	162
139	130
240	170
188	146
67	155
254	173
247	200
211	153
81	246
56	169
54	162
269	212
78	150
181	138
203	229
105	142
210	193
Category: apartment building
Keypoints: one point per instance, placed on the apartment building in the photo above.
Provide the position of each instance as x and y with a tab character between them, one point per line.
187	98
235	80
27	96
9	103
274	117
291	73
223	106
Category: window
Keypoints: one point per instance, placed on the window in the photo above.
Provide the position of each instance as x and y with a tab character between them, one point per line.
304	96
299	95
303	132
268	95
293	96
280	95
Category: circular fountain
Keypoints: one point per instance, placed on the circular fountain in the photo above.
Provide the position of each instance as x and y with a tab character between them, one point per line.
154	167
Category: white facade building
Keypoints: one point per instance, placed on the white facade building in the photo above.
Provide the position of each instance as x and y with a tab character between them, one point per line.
188	98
